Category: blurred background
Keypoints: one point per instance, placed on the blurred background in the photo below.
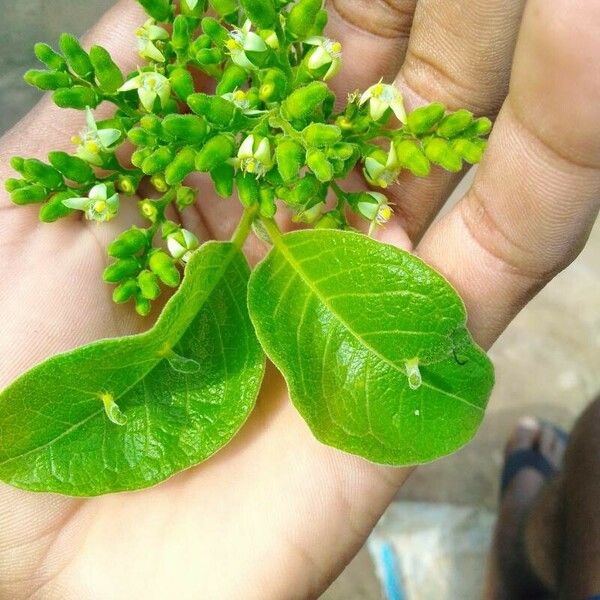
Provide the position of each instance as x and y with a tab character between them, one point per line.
546	363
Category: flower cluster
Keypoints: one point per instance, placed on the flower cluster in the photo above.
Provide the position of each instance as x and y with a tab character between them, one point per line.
269	134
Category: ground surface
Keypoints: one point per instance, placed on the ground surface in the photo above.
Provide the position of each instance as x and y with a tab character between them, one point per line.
547	362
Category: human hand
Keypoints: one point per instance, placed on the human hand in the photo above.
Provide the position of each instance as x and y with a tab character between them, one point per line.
276	514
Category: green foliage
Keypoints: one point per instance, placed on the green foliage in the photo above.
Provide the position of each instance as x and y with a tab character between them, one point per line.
273	137
127	413
348	321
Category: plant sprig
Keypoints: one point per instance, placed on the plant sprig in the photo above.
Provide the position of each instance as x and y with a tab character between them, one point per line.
371	341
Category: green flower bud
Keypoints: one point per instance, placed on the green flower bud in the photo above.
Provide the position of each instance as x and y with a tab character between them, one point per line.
128	184
308	189
247	188
342	151
141	137
148	210
274	85
455	123
215	109
214	30
215	152
317	162
142	306
78	97
72	167
182	82
411	157
139	156
468	150
209	56
159	183
181	167
121	269
42	173
128	243
302	17
108	74
77	58
330	220
186	196
163	265
261	12
233	78
222	177
193	8
157	161
47	80
303	102
320	23
439	151
29	194
18	164
157	9
46	55
224	7
181	33
11	184
148	284
54	209
481	126
267	205
424	119
200	43
186	128
290	159
124	291
320	135
152	124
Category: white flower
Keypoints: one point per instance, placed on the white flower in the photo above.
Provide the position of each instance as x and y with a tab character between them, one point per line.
91	141
376	209
240	99
191	4
146	35
242	40
327	52
254	156
149	85
382	174
181	244
97	205
382	96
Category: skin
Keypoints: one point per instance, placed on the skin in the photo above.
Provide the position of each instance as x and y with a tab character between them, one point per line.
276	514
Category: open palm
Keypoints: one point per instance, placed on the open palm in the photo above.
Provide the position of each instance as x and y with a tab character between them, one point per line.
276	514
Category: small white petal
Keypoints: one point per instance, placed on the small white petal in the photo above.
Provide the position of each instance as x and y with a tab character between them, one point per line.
89	119
77	203
98	192
397	106
254	43
149	50
247	148
131	84
113	202
377	108
366	96
241	60
157	33
318	58
147	98
108	136
315	41
373	167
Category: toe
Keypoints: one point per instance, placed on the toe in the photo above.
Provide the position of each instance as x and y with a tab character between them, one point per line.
525	435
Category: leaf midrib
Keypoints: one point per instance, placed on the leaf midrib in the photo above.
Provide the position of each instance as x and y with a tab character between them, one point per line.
280	244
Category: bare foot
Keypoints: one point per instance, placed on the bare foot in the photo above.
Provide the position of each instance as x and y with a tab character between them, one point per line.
510	576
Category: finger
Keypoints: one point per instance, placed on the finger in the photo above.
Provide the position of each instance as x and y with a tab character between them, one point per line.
536	195
374	36
459	54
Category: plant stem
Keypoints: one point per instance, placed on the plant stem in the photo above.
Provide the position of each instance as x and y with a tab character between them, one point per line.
244	227
272	229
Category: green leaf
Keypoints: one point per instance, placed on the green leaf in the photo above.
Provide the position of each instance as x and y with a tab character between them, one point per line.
123	414
346	319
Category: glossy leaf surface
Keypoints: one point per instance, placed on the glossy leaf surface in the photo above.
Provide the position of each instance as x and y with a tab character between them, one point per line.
122	414
346	319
